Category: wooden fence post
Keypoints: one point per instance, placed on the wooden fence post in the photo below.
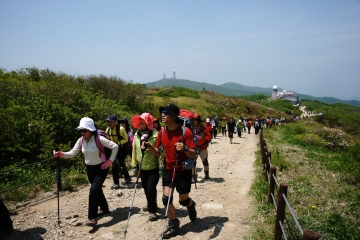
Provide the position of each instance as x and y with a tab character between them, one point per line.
310	235
268	158
280	213
272	184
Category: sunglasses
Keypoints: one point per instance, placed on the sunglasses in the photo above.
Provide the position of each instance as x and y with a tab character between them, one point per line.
165	112
83	130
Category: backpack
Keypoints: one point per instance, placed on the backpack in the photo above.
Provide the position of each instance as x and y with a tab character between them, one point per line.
104	152
119	137
256	124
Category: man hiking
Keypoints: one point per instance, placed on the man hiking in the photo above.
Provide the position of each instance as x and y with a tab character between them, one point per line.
204	137
230	126
223	126
178	148
118	135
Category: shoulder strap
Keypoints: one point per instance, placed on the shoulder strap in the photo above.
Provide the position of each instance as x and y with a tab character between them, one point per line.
118	132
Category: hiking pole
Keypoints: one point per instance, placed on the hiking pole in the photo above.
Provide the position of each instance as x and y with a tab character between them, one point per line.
136	183
58	183
171	188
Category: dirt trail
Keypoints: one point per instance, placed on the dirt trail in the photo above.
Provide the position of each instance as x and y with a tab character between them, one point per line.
223	204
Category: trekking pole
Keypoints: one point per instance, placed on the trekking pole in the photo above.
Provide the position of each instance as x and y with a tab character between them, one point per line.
171	188
136	183
58	183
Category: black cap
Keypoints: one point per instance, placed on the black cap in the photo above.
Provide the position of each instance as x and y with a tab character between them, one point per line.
171	109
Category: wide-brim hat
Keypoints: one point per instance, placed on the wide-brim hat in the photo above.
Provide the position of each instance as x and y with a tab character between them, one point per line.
86	123
171	109
135	120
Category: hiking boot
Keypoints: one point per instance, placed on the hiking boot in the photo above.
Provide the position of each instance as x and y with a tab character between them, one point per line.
91	222
145	208
206	174
102	212
115	186
172	230
126	181
152	217
192	211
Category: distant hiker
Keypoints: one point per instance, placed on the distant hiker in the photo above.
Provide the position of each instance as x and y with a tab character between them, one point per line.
178	149
125	124
257	124
118	135
204	136
277	121
156	124
245	124
223	126
214	127
148	163
230	126
6	225
208	126
239	127
248	125
97	165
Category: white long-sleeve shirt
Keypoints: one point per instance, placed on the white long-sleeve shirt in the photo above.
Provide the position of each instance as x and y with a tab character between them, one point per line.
90	150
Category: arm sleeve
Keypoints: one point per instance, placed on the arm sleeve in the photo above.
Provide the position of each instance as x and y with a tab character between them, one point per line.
110	144
74	151
124	135
133	156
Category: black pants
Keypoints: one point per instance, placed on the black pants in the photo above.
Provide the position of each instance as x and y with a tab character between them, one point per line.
214	132
149	180
96	177
223	130
5	220
119	164
249	128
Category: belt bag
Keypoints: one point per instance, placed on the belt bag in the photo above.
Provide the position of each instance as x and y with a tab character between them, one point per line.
188	164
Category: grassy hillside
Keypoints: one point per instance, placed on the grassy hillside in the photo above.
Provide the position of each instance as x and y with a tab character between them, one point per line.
235	89
321	166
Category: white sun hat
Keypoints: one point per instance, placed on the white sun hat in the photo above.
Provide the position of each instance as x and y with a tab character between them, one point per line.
86	123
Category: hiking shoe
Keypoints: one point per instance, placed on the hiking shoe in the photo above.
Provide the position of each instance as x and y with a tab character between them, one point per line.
145	208
171	231
206	174
91	222
152	217
115	186
192	211
126	181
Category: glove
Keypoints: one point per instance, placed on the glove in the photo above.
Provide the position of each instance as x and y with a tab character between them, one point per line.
135	171
106	164
161	171
58	154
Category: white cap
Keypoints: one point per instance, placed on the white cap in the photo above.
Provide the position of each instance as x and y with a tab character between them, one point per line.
207	120
86	123
239	120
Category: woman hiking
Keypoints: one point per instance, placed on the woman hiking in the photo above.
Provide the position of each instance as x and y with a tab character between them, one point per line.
144	162
97	166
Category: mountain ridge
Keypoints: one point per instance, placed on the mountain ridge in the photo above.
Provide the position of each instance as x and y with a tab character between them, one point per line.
236	89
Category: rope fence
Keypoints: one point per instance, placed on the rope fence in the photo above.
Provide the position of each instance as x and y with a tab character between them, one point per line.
282	201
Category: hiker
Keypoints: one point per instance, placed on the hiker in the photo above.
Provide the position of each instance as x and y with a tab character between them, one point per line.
257	126
230	126
6	225
245	124
118	135
125	124
248	125
178	149
214	127
156	124
208	126
204	136
223	126
145	161
239	127
97	165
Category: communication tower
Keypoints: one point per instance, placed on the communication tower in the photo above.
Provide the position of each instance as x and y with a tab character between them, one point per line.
174	74
274	92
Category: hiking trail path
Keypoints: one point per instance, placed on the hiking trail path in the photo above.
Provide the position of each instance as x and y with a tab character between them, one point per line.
223	203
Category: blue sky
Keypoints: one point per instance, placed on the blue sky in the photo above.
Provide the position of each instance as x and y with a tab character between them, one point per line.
311	47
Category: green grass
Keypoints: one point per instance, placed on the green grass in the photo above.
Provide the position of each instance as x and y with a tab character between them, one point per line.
323	182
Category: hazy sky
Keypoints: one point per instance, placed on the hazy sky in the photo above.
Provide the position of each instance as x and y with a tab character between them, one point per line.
308	46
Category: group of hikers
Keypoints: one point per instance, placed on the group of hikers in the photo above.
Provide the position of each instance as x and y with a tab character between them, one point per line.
156	152
166	150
